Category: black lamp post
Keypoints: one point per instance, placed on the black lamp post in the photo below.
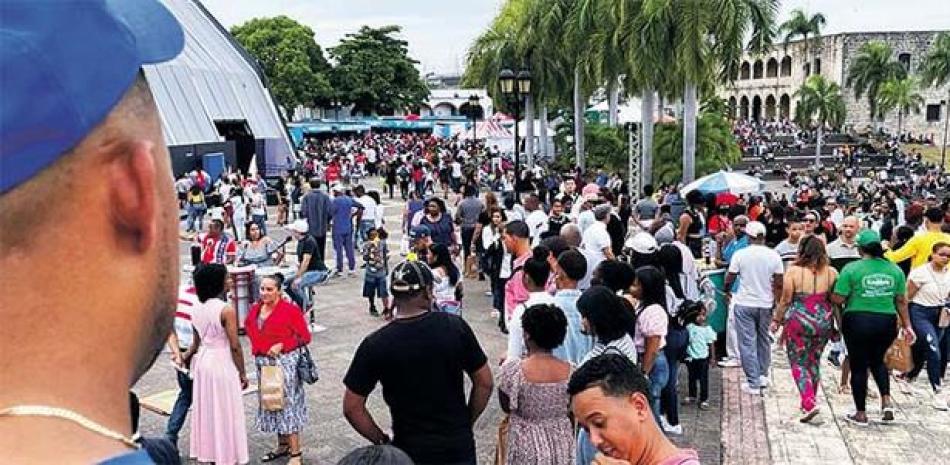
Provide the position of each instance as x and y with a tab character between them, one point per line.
515	87
336	104
473	113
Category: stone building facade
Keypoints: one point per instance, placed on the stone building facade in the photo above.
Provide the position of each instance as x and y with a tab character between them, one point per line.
766	85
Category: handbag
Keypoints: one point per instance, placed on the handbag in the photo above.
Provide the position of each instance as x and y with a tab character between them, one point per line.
898	356
501	446
272	388
306	368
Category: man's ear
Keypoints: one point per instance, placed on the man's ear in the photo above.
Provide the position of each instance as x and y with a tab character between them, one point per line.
641	405
133	202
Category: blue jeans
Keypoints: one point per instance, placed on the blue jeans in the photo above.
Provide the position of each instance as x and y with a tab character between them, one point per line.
752	330
344	242
261	221
927	348
365	226
659	376
196	213
299	293
585	449
177	418
675	350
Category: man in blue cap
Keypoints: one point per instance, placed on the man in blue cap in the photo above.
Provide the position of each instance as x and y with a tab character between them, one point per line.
87	205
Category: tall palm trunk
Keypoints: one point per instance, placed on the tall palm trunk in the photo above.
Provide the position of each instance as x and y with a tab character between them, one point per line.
613	102
529	129
821	130
646	136
543	139
578	119
900	121
689	133
659	105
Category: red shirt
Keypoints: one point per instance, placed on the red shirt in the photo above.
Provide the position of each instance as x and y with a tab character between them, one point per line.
216	249
284	325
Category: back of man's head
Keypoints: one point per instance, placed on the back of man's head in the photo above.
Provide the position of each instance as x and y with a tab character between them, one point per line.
934	215
314	183
572	234
518	228
572	264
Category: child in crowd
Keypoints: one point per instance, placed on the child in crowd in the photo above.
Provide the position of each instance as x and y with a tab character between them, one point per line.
376	257
698	356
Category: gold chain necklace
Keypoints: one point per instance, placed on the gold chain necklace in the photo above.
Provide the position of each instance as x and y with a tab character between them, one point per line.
66	414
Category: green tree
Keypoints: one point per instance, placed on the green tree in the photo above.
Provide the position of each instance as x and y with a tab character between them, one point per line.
375	73
292	61
870	69
799	24
820	103
714	140
935	67
900	95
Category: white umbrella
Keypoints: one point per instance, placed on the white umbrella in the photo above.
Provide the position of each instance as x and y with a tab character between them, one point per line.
726	181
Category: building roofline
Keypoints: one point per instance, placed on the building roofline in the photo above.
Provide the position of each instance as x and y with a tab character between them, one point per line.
824	36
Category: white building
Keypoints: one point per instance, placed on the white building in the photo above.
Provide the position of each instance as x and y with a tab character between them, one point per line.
446	102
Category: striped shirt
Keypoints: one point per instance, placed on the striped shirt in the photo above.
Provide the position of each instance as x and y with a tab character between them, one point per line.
187	300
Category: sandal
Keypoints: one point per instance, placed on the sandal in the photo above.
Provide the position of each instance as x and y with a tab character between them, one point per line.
888	414
295	459
281	451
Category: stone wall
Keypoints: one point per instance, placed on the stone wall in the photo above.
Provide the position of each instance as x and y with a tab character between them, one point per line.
834	54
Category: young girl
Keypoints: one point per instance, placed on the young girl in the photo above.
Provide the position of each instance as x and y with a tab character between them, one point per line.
448	281
698	354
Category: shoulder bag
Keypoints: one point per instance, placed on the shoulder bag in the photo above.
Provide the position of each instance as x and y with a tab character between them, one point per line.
306	367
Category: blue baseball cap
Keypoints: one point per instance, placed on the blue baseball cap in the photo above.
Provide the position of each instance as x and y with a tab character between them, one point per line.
419	231
65	65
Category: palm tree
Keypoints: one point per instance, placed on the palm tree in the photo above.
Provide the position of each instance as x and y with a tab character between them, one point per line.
821	103
900	95
799	24
870	69
935	72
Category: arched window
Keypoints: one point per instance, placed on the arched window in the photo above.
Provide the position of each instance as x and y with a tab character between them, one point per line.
786	66
744	71
757	70
771	68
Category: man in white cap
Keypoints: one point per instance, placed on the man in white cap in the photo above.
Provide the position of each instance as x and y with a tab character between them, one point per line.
759	270
311	270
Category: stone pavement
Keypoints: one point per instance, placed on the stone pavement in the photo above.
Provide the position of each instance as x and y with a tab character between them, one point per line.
921	435
342	310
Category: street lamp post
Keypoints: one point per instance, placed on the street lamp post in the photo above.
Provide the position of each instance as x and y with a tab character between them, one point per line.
473	112
336	108
515	88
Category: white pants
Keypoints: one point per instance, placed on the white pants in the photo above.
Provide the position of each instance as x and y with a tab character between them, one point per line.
732	340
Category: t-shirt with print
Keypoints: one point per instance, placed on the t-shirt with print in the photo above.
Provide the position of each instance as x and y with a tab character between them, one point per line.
651	321
870	285
420	362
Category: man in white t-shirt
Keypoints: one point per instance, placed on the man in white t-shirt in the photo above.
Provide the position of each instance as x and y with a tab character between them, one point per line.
367	219
759	270
536	218
595	239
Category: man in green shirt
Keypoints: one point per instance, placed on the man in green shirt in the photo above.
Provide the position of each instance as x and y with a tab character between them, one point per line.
872	294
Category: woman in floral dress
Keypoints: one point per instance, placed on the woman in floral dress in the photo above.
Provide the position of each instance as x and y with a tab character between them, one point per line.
533	390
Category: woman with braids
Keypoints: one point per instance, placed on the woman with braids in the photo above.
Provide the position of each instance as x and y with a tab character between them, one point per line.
533	390
808	318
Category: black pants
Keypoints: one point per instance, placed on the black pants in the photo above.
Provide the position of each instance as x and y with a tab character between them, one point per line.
391	187
867	336
698	370
322	246
467	234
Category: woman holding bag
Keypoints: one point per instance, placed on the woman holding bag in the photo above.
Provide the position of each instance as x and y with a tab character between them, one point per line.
872	294
278	334
928	287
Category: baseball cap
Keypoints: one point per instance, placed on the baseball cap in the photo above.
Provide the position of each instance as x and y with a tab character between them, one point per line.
755	229
65	66
867	237
338	188
301	226
410	276
664	235
419	231
643	243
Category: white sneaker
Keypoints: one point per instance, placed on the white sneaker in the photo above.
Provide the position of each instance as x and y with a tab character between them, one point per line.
676	430
488	294
746	388
729	363
939	401
764	381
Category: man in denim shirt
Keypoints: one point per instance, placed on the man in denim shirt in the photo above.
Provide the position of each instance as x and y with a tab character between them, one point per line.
572	267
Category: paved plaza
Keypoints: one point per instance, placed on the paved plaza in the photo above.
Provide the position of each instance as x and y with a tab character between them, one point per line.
748	431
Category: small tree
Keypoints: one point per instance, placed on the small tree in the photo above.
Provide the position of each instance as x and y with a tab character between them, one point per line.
820	103
900	95
870	69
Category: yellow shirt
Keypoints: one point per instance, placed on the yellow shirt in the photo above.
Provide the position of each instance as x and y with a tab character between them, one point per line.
918	248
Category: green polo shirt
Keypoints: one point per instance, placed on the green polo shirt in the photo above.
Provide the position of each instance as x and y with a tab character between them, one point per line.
869	285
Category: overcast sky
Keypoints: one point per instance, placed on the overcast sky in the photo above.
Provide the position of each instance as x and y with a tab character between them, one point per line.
440	31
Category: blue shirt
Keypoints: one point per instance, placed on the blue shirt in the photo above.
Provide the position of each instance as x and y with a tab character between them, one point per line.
576	344
139	457
342	212
730	249
699	339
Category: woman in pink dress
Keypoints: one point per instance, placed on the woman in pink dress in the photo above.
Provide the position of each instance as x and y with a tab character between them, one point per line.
218	431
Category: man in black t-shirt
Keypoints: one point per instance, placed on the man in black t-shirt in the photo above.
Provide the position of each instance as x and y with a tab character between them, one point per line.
420	358
311	269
